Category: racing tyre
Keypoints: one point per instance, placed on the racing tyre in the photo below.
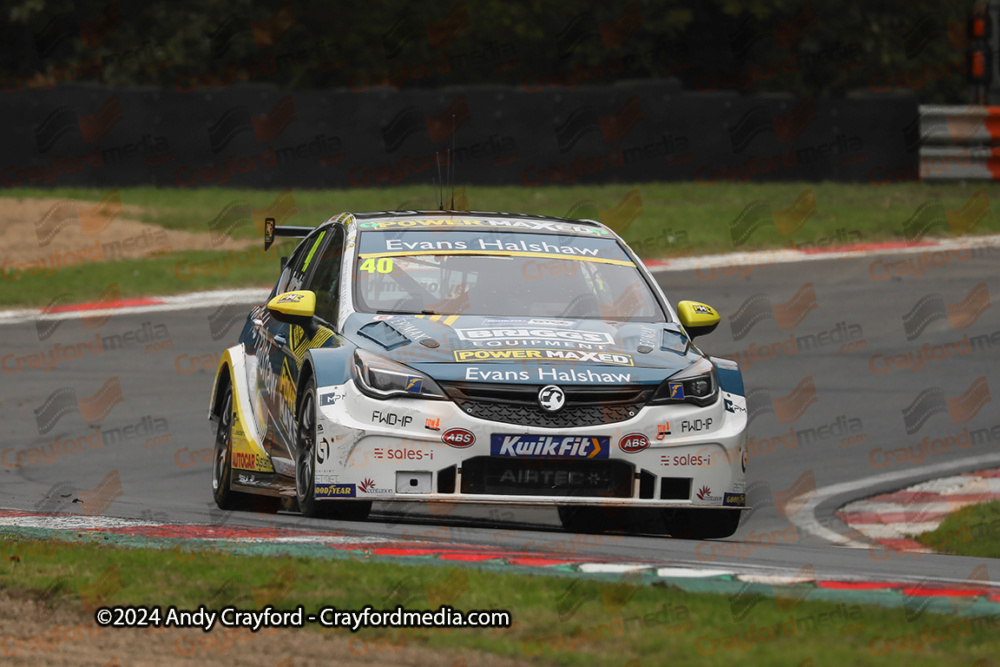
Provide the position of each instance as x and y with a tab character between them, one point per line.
222	468
305	469
689	524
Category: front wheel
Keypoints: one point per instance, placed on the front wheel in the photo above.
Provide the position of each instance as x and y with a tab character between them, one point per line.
692	524
305	469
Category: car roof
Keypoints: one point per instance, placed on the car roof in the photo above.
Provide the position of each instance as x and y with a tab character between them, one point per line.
379	216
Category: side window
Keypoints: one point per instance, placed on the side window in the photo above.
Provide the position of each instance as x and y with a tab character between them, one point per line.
325	280
294	273
306	261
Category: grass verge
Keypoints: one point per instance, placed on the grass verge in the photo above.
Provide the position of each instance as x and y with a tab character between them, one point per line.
556	620
176	273
657	219
971	531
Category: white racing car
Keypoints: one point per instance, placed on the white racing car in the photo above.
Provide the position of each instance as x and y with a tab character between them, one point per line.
478	358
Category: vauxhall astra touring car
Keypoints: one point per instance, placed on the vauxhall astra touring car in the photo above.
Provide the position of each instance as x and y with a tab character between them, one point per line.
468	357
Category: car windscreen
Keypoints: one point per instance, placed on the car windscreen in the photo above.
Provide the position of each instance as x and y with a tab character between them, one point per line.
500	273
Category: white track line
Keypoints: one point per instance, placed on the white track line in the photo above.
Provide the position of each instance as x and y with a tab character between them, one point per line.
213	299
760	258
806	519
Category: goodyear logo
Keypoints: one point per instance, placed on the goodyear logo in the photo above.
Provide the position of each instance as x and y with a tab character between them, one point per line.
335	491
414	385
734	499
550	446
676	390
565	355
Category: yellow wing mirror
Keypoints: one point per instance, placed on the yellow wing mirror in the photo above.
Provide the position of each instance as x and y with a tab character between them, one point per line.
698	319
294	308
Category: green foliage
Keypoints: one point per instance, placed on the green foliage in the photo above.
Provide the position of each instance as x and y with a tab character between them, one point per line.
612	622
972	531
804	48
663	221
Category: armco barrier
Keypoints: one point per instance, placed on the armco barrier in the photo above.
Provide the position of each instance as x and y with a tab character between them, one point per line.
262	137
959	143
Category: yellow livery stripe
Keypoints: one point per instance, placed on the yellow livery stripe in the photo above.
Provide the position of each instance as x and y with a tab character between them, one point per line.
498	253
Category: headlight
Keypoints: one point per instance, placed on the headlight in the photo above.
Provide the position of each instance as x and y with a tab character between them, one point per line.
695	385
379	377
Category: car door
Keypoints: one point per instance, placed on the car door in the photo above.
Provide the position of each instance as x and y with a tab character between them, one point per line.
317	269
276	378
259	345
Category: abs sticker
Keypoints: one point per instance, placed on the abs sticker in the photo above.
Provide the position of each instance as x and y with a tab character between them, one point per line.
633	442
459	438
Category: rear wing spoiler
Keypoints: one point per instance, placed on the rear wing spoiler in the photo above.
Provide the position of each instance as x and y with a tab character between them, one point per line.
271	230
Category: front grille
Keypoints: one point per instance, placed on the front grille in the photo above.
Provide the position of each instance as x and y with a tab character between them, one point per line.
547	477
518	403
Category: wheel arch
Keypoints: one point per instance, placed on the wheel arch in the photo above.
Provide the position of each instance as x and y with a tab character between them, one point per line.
223	380
730	377
327	366
305	376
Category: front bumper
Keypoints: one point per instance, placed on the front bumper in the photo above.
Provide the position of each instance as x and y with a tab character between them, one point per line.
392	450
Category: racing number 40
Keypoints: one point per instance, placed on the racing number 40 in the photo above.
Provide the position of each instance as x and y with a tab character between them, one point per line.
384	265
